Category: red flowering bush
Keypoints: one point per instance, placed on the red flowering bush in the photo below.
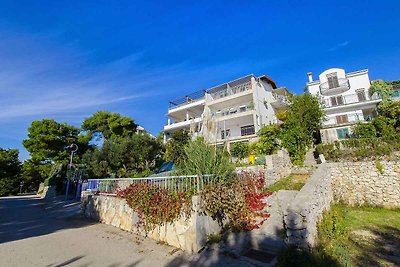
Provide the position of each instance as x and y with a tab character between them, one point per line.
240	203
154	205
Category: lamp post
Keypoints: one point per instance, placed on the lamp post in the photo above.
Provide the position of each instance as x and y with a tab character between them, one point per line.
73	148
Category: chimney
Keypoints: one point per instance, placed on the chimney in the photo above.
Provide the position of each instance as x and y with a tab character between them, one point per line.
309	74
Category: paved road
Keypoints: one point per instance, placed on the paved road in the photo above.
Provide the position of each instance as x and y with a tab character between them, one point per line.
35	233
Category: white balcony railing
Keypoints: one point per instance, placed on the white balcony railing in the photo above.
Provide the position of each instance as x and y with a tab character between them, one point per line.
231	91
347	100
234	110
346	119
342	86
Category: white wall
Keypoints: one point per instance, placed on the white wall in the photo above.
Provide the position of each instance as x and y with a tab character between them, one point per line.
266	112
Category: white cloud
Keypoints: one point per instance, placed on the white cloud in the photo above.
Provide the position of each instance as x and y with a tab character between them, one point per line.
339	46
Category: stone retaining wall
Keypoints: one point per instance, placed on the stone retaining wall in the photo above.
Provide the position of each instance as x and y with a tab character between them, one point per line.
189	235
359	183
306	210
277	166
351	183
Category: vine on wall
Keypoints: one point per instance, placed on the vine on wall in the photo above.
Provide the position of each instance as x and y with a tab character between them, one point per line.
238	205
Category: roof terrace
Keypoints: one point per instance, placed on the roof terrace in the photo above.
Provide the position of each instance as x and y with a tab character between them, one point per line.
225	89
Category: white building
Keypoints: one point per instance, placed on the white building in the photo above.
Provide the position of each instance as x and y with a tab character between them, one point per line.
345	99
231	112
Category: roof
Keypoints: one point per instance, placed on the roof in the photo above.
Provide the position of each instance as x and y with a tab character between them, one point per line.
269	80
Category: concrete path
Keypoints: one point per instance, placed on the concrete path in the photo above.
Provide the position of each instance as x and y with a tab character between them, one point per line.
35	233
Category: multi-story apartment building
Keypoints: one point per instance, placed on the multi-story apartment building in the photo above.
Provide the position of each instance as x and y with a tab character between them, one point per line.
231	112
345	99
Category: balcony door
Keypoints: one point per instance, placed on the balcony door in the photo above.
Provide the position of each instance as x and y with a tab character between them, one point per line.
333	81
337	101
361	95
342	119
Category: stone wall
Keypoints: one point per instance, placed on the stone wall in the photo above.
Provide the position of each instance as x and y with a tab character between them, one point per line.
189	235
277	166
359	183
306	210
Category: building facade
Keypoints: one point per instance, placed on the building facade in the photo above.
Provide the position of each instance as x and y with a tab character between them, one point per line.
232	112
345	99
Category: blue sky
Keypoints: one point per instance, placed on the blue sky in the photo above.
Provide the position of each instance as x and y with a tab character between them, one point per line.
67	59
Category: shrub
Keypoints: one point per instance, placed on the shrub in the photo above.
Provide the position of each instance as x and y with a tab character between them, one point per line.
385	127
390	110
201	159
358	148
240	150
238	203
156	206
268	141
364	130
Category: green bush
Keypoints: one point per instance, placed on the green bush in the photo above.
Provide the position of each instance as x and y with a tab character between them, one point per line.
267	143
201	158
240	150
296	140
358	148
364	130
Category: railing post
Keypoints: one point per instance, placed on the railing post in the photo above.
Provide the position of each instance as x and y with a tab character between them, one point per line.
198	183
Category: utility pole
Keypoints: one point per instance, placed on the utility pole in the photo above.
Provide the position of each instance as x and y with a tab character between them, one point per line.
73	148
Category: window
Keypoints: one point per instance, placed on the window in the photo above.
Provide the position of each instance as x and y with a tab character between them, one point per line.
337	100
225	134
361	95
247	130
333	81
342	119
343	133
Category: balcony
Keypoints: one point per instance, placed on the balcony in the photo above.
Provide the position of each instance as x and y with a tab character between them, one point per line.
182	124
359	98
341	86
346	119
280	101
234	111
188	99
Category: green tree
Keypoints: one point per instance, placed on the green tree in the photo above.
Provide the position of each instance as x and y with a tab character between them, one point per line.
296	139
46	143
33	173
104	124
10	171
304	119
383	88
48	139
175	146
124	156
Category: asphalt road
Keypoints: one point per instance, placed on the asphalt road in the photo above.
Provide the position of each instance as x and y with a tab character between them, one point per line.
36	233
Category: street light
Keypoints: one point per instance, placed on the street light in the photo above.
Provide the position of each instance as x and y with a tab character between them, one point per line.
73	148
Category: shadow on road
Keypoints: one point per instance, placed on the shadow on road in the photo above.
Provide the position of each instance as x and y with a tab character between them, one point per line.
29	216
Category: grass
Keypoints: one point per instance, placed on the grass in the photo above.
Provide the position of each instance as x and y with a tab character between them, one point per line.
352	236
292	182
